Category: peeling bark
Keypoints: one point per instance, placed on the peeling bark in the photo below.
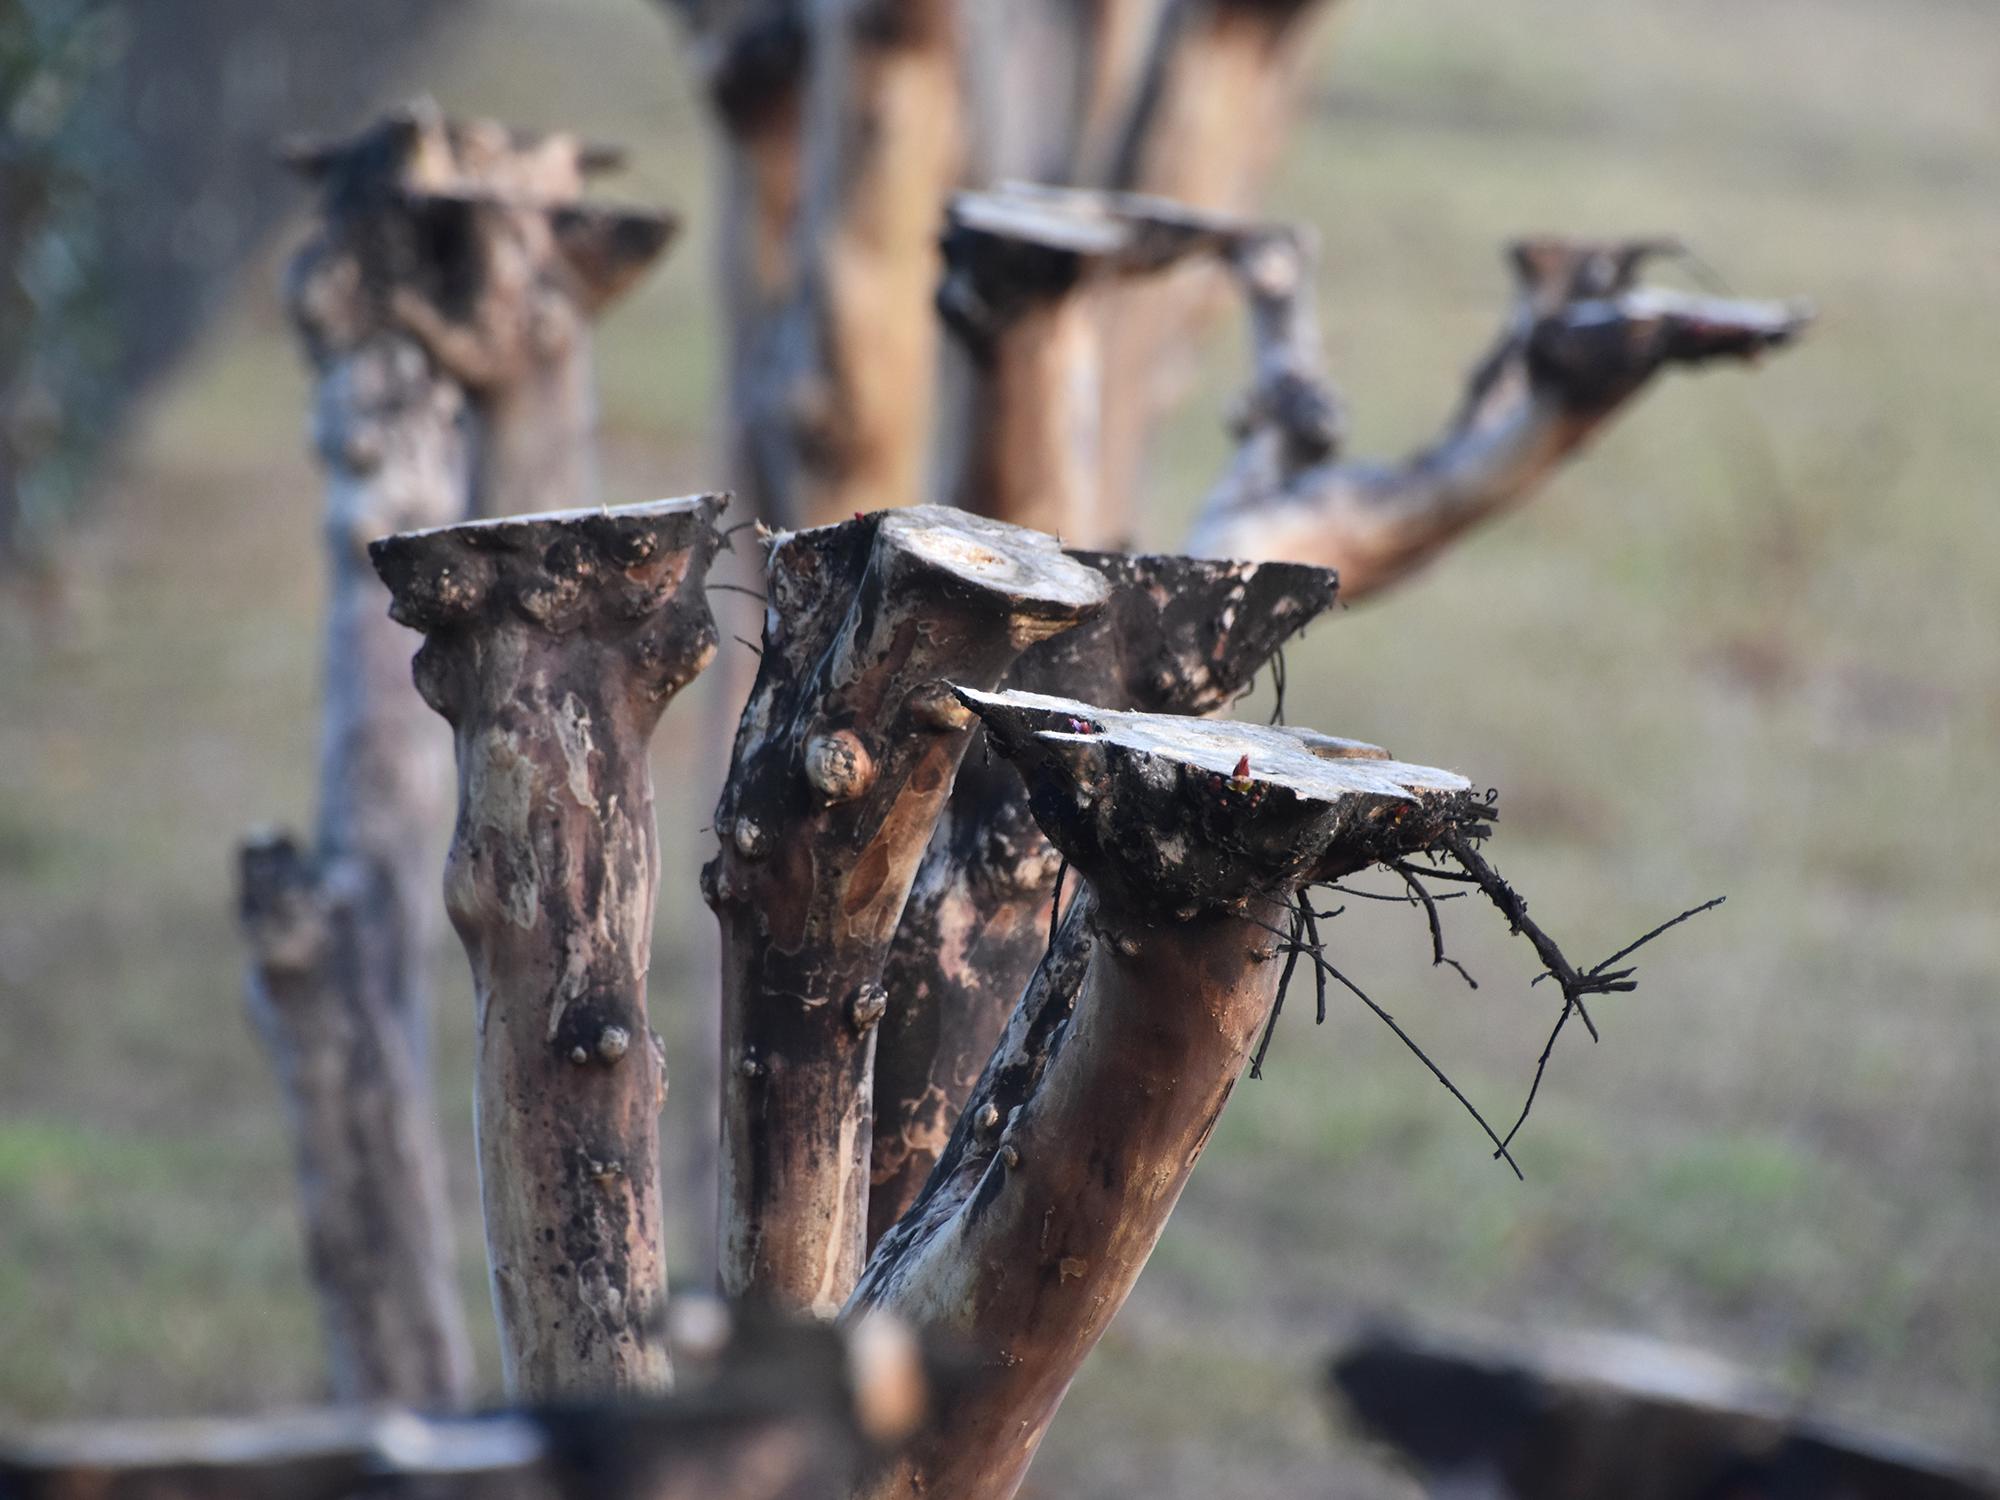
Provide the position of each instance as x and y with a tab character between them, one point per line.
1026	273
499	267
778	1413
843	759
552	645
1179	636
841	416
1582	339
1096	1104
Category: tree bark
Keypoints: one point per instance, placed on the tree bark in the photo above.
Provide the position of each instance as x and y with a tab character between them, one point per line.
341	937
327	945
1179	636
503	268
1219	87
843	759
841	415
1191	836
1575	1418
777	1413
1026	275
750	56
552	645
1582	339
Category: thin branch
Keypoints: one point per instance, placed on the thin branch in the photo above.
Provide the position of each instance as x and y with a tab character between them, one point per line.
1438	955
1323	970
1284	984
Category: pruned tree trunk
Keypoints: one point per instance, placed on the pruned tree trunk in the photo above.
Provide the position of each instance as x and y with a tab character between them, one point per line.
1191	837
552	645
1582	339
1178	636
1026	275
844	757
750	57
326	941
840	419
341	934
1219	87
777	1413
505	268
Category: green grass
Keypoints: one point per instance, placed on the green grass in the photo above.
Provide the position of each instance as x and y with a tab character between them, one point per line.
1749	644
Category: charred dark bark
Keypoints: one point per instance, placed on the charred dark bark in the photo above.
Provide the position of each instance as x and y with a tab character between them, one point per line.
1179	636
843	759
1583	338
552	645
1190	836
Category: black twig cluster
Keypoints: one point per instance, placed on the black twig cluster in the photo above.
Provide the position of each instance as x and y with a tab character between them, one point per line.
1602	978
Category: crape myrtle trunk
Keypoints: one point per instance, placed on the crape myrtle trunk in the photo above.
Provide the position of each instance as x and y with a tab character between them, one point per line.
552	645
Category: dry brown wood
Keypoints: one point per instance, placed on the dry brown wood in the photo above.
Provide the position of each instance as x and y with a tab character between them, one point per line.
499	266
1190	836
842	761
1026	273
840	418
1219	87
1178	636
552	645
1582	338
771	1412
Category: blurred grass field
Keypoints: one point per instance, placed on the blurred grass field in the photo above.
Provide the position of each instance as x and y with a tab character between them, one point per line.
1749	644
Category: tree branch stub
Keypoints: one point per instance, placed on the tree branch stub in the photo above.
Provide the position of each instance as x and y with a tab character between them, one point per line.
1582	338
477	241
552	645
843	758
1026	270
1178	636
1113	1070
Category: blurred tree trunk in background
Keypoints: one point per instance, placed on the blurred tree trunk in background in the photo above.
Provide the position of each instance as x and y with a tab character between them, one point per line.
136	176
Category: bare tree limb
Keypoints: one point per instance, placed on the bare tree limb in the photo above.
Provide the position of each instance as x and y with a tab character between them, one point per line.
552	645
842	762
1583	338
1179	635
1192	836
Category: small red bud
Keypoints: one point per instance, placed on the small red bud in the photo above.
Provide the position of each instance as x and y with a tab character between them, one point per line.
1242	769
